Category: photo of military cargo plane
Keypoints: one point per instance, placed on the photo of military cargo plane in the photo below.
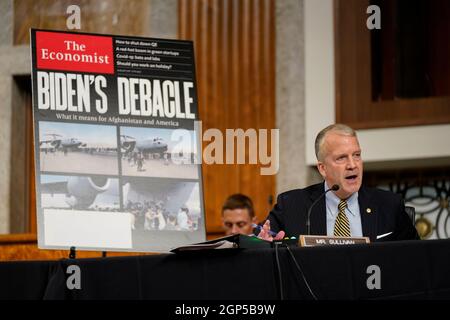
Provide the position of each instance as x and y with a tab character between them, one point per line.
78	148
75	192
54	141
147	146
153	152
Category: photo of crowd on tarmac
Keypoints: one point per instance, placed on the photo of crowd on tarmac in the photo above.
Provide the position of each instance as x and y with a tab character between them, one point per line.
152	152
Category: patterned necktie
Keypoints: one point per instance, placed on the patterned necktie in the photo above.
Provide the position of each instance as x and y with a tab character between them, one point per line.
342	225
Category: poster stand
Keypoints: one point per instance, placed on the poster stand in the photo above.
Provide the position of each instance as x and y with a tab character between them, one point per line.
72	253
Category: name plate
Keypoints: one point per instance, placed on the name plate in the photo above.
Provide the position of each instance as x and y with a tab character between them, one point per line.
313	241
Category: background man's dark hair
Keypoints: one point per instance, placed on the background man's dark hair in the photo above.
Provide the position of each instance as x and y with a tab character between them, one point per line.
239	201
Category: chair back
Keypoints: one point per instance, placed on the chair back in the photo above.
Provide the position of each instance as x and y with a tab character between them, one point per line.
411	211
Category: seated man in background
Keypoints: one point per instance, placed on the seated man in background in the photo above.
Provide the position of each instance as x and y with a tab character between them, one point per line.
238	215
349	209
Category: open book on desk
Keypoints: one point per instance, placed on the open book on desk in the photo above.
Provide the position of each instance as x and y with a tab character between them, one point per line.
227	242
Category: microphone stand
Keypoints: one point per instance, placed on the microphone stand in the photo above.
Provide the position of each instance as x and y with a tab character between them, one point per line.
335	187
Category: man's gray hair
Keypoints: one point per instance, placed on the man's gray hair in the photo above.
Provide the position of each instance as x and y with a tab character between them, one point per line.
338	128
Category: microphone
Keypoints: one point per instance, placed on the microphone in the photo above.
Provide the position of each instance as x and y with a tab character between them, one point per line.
335	187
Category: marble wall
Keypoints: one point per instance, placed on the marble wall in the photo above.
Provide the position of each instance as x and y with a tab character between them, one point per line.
290	96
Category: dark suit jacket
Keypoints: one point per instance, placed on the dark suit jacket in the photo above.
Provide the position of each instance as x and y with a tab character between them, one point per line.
387	214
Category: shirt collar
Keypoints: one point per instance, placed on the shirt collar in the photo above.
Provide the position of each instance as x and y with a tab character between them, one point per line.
332	201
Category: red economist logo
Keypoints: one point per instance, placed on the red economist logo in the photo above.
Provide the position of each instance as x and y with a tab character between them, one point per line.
74	52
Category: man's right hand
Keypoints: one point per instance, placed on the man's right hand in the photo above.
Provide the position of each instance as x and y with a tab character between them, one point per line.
265	233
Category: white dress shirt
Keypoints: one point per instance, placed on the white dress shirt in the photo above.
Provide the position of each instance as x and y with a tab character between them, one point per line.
352	212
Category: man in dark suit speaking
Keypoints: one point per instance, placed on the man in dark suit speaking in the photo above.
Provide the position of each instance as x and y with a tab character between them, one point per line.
348	209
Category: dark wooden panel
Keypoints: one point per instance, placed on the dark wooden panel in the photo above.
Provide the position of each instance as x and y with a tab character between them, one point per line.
18	178
235	56
354	100
32	220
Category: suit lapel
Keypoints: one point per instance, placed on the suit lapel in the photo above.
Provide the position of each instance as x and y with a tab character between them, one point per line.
368	213
319	212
